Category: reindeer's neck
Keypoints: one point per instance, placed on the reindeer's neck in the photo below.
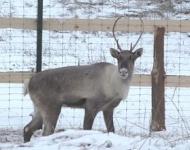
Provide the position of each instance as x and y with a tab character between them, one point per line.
121	86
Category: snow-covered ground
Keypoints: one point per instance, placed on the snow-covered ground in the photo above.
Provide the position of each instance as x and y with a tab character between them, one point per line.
97	140
132	116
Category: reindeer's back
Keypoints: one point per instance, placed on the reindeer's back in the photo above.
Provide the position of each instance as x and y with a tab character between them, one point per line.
70	82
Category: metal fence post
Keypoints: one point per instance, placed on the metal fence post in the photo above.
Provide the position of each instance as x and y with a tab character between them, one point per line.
39	36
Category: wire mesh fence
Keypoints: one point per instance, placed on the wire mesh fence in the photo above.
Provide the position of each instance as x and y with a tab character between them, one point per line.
67	48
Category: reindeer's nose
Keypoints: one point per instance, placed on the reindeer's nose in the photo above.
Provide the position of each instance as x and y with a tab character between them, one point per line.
123	73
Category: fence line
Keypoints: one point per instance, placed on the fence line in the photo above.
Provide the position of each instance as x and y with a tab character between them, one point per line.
125	24
137	80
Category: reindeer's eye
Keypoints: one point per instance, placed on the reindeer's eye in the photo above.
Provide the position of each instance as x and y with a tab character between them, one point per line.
120	57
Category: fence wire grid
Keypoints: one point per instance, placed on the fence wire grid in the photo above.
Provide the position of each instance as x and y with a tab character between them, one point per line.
67	48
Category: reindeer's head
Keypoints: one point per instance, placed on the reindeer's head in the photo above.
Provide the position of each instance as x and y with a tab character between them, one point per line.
125	58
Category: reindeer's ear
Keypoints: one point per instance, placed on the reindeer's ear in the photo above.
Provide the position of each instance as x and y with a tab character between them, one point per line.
114	53
138	53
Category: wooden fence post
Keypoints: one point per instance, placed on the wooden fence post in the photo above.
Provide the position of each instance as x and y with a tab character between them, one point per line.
158	82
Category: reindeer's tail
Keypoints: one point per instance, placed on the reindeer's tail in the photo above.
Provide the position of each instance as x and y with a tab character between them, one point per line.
25	88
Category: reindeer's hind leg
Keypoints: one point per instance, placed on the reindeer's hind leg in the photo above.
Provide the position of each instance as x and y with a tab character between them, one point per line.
50	116
34	125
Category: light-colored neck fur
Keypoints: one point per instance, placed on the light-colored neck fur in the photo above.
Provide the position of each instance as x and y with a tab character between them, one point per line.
119	87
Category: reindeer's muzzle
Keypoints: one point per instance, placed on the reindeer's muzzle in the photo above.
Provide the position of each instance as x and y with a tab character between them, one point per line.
123	73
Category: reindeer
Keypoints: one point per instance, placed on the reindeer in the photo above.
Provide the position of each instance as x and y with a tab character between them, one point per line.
97	87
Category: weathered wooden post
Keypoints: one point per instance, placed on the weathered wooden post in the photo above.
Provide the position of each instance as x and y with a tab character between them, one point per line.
158	82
